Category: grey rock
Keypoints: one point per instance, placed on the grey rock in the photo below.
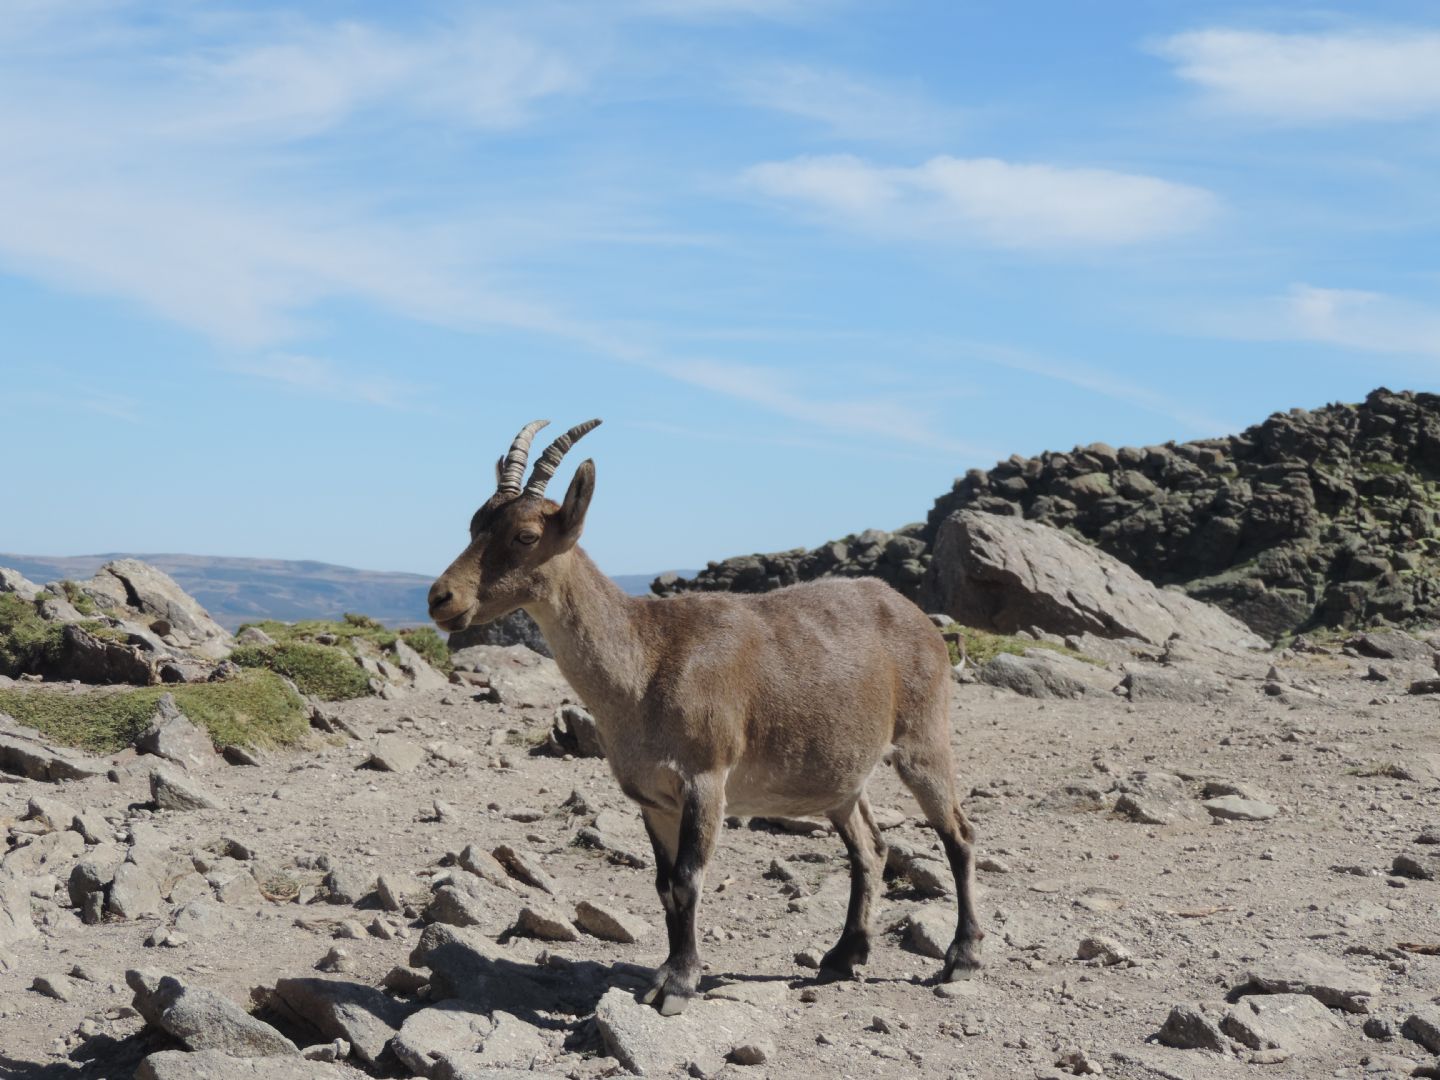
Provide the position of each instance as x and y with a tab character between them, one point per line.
171	789
422	675
1234	808
253	635
217	1065
16	924
393	753
12	581
929	931
467	965
1416	867
525	867
546	923
202	1019
133	893
1330	982
1005	575
517	628
447	1026
1105	950
390	890
575	732
1294	1022
154	593
48	853
1030	677
610	923
53	985
1075	796
1423	1026
347	885
51	813
23	751
172	736
1172	686
649	1044
364	1017
476	903
483	865
1187	1028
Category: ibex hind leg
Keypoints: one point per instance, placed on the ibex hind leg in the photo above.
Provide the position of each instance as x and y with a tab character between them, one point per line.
923	762
856	827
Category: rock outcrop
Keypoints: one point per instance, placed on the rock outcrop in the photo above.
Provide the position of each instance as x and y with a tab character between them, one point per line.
1320	517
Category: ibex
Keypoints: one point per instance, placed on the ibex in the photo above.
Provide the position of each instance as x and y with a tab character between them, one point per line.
779	703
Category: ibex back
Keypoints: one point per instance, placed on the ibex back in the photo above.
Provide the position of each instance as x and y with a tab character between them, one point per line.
781	703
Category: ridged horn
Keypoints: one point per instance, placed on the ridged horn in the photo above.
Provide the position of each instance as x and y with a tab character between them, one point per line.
512	471
550	459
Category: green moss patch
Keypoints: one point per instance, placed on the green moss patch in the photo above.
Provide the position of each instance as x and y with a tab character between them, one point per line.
354	629
256	709
326	671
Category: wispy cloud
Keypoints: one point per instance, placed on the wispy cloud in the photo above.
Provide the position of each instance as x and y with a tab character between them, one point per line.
1355	319
987	201
1104	383
1348	75
848	107
319	377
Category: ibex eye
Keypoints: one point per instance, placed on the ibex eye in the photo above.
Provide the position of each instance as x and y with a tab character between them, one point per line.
527	537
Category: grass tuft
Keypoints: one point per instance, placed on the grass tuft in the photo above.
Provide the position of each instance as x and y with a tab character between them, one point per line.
981	646
327	672
256	709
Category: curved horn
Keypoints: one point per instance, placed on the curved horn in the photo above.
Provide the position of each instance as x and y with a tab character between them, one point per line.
550	460
512	471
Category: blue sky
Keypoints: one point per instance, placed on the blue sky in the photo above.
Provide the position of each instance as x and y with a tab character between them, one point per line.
282	280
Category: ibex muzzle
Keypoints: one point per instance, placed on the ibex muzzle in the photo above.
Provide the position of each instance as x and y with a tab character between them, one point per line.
781	703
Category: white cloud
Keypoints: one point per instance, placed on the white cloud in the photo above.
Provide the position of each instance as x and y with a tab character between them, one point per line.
1347	318
1315	77
848	107
986	200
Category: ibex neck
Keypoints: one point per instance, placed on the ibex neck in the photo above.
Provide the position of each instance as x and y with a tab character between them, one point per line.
590	625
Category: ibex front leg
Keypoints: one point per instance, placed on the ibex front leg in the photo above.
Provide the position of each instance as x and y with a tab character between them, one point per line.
682	849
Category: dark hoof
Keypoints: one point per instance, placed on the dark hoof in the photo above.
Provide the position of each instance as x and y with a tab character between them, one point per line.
669	993
961	961
840	962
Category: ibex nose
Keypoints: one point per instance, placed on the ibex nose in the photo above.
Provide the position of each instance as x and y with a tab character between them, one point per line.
439	597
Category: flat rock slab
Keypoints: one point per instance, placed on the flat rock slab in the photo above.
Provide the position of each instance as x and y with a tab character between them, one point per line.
1234	808
22	751
1187	1028
1423	1026
171	789
1006	574
392	753
202	1019
1030	677
649	1044
449	1026
1162	1063
1297	1023
1331	983
364	1017
466	965
610	923
215	1065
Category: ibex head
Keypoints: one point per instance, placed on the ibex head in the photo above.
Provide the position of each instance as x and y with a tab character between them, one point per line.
514	535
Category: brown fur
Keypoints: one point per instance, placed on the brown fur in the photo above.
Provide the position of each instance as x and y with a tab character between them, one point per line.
780	703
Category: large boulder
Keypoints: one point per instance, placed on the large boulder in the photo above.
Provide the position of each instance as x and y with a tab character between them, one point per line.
519	676
12	581
517	628
23	751
130	583
1006	575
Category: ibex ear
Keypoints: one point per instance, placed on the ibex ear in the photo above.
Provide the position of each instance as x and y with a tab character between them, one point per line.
577	500
499	470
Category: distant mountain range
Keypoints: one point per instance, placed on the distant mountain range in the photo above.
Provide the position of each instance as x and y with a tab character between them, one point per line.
235	591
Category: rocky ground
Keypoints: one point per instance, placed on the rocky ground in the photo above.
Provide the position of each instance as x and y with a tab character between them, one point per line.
1239	856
